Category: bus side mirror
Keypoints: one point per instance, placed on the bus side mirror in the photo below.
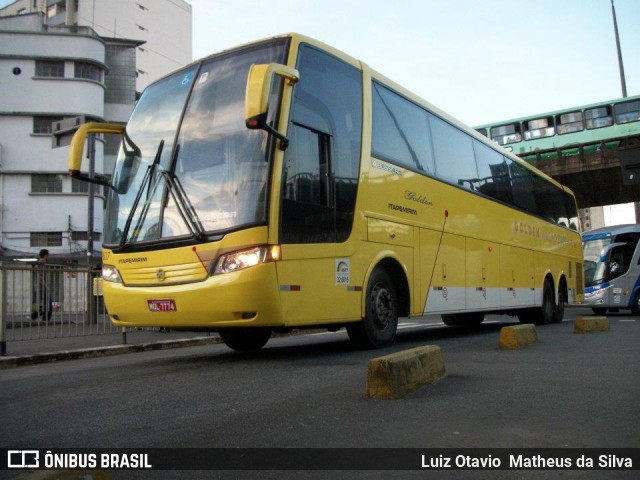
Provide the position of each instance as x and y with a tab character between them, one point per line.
77	146
256	105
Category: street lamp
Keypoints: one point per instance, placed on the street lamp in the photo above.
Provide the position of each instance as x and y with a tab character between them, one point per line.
620	64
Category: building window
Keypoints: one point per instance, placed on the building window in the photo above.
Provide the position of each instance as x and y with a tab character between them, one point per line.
88	71
49	68
46	183
120	83
46	239
84	236
78	186
42	124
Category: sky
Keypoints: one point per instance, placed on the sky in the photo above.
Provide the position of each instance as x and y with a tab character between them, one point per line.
479	60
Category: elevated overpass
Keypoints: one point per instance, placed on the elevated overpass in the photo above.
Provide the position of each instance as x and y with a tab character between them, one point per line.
602	177
593	149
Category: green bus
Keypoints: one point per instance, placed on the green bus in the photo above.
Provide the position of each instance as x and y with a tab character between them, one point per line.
605	125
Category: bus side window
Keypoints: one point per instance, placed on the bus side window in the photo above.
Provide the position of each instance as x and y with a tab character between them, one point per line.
570	122
619	261
539	128
493	173
627	112
506	134
598	117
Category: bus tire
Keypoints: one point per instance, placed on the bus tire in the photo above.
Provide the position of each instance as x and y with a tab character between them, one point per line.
635	306
544	314
558	311
245	339
547	311
380	323
463	319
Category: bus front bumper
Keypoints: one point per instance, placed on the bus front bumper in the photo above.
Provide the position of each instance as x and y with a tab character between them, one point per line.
245	298
596	296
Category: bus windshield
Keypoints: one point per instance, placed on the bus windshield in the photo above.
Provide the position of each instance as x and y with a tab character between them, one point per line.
188	166
594	267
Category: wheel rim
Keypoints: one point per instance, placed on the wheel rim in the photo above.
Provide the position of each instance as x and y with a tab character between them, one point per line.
382	306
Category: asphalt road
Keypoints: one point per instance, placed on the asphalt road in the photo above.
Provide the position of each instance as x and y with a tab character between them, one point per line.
565	391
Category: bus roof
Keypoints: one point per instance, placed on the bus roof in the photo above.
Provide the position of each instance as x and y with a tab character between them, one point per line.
605	232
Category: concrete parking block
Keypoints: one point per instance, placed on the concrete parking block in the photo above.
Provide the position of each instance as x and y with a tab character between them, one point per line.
517	336
591	324
393	376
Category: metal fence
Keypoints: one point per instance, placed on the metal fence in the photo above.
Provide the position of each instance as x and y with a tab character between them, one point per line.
42	301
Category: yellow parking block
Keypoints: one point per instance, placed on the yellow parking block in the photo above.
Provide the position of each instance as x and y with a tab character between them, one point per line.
591	324
395	375
518	336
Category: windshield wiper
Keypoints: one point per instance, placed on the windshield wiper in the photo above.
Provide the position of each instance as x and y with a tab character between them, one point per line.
148	176
184	205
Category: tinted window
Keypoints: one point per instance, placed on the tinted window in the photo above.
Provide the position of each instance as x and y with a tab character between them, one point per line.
493	173
453	150
523	187
321	168
550	202
400	131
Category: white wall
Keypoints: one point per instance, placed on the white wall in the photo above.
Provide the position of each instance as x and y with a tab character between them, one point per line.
24	153
166	29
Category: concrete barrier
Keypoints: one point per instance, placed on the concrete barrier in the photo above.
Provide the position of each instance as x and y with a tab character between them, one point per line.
591	324
518	336
395	375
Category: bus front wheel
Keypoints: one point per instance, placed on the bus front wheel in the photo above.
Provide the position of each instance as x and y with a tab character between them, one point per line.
245	339
380	323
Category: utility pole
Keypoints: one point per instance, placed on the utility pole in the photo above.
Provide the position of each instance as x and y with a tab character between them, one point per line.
620	64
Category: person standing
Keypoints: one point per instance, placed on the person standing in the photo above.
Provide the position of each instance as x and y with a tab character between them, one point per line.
45	302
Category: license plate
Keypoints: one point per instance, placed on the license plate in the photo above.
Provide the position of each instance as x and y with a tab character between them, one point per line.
161	305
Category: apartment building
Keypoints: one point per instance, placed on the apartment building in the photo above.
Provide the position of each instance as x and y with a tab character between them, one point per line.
50	71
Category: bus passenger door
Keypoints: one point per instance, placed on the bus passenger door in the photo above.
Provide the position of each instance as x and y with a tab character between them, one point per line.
318	191
314	272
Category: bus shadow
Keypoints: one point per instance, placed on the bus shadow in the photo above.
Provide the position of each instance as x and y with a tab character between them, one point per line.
337	349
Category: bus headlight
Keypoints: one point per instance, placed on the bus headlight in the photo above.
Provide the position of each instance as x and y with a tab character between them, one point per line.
111	274
251	257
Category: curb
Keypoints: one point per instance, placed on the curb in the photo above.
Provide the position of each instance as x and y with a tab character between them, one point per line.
46	357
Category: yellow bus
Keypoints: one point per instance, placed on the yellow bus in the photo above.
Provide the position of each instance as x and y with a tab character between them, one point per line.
284	184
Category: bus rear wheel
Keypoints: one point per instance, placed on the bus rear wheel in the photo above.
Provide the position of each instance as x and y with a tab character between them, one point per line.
546	313
245	339
558	310
380	323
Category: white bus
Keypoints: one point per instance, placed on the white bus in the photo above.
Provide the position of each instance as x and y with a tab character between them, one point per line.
611	269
